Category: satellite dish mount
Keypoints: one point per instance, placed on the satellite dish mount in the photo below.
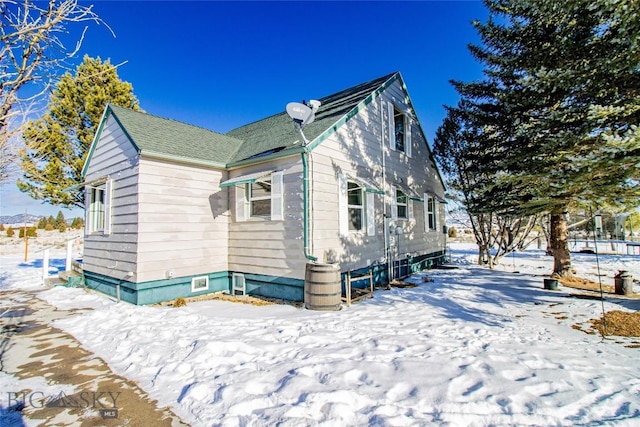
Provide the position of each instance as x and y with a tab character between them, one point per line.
303	114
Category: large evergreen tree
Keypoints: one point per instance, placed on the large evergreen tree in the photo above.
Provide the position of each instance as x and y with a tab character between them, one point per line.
557	111
57	144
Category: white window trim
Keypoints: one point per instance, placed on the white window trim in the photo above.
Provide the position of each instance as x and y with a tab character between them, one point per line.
370	213
406	205
391	124
195	279
362	208
430	213
242	205
244	198
251	198
343	210
236	279
94	224
367	208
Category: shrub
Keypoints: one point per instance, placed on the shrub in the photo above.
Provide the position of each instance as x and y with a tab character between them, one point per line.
31	232
48	227
180	302
42	223
10	232
77	223
1	226
453	233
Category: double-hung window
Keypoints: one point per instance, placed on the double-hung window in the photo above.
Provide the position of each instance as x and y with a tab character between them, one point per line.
402	205
399	130
259	195
98	207
356	205
430	212
355	200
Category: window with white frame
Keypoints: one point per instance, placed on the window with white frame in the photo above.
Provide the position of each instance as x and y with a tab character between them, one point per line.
355	206
98	206
399	129
259	196
402	205
200	283
431	212
399	126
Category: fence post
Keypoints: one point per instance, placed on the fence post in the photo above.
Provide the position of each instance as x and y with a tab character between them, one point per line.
45	265
67	265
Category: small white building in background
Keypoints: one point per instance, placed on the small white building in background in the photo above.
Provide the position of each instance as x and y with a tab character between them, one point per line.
177	210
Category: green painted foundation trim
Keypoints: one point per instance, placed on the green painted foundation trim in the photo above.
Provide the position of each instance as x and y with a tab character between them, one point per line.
155	291
409	265
158	290
274	287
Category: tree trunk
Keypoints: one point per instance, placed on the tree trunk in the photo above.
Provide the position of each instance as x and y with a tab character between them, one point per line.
559	245
481	254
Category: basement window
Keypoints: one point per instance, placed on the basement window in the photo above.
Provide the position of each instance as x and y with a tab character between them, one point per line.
200	284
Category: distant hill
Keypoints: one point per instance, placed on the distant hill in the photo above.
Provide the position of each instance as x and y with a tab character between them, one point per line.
19	219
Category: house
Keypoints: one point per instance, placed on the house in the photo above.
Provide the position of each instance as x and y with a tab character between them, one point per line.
177	210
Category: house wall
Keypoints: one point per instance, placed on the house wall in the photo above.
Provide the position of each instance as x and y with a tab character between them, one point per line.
169	223
357	148
270	251
115	157
183	218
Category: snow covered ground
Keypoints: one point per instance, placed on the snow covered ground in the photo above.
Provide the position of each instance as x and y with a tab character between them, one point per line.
469	347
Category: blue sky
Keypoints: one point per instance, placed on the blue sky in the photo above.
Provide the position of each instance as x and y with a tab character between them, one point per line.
221	65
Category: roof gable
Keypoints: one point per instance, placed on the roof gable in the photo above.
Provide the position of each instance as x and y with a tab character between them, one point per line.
165	138
278	134
171	138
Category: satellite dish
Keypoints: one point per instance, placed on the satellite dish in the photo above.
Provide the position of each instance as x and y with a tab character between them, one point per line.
300	113
310	119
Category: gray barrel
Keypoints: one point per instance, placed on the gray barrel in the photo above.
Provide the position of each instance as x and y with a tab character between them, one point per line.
322	287
623	283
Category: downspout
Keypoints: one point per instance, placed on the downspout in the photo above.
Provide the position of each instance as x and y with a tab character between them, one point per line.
305	203
385	227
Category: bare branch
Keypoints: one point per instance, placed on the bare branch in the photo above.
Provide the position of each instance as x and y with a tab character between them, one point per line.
32	56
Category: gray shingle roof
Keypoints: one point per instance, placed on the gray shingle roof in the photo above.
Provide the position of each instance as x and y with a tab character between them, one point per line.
158	136
276	134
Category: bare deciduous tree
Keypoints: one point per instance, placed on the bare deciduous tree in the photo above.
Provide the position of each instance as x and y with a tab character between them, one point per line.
32	55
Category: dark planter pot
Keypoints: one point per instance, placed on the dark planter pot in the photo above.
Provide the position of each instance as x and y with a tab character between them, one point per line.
551	284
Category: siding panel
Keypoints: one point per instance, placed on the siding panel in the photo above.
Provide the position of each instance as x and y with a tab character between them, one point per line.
114	157
183	220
